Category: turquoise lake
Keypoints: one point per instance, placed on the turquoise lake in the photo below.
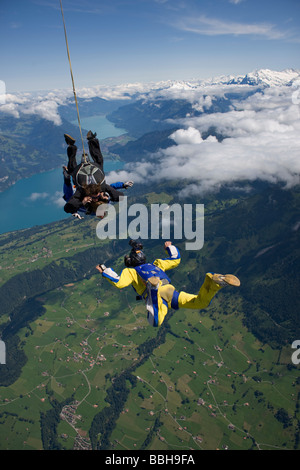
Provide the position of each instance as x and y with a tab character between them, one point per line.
101	125
37	200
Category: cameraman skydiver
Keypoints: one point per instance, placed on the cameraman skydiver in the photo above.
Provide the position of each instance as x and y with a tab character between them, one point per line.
88	197
153	285
93	196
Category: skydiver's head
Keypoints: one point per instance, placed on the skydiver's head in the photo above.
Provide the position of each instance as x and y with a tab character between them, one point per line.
91	189
97	198
96	193
136	257
101	197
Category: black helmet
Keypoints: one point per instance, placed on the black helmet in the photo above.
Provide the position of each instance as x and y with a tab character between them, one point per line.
136	256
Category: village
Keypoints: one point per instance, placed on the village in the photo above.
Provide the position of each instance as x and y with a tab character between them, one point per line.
68	414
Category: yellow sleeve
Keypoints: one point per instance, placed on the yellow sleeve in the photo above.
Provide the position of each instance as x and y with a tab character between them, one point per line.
171	262
127	277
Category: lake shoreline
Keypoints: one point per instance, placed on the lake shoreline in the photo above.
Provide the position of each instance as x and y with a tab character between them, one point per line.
36	199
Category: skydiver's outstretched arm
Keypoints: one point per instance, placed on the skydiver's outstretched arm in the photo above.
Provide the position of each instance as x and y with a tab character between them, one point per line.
121	185
172	261
113	193
127	277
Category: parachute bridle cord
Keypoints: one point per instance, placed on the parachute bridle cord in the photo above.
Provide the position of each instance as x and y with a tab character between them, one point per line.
84	155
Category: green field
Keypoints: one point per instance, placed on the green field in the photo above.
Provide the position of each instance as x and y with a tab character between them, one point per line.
209	385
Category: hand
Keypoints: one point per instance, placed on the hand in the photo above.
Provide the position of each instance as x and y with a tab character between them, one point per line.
128	184
86	200
167	244
77	216
100	268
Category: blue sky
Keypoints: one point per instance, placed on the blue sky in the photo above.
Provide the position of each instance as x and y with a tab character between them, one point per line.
127	41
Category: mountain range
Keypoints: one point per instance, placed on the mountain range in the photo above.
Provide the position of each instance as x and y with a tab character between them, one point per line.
32	126
263	77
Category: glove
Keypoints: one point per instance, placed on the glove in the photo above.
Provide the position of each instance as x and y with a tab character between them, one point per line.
77	216
128	184
101	268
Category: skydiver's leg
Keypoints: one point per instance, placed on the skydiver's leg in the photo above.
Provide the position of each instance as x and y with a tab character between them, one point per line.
157	316
71	152
95	151
157	305
212	284
67	187
162	297
72	163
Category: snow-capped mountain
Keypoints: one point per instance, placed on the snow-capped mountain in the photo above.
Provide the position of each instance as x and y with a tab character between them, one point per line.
262	77
191	89
268	78
201	93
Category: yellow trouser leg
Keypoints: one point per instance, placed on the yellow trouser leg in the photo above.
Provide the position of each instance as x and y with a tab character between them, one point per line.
206	293
163	310
166	293
158	301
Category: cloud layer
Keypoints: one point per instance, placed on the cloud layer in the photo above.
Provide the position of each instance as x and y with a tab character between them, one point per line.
262	142
262	132
46	104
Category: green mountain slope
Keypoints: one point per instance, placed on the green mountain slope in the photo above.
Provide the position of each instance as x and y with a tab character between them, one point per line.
269	263
19	159
31	145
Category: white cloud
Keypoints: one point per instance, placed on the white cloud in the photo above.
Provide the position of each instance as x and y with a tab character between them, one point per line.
25	103
48	198
46	104
262	142
216	27
10	109
187	136
58	200
45	109
200	93
36	196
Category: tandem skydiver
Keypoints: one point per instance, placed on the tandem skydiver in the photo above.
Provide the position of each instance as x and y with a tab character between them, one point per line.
89	180
153	285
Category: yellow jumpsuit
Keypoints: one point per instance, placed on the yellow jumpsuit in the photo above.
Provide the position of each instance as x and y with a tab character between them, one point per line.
163	296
